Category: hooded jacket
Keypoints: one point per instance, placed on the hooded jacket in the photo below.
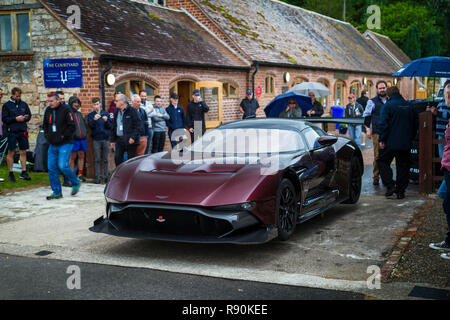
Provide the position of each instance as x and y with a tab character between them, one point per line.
80	124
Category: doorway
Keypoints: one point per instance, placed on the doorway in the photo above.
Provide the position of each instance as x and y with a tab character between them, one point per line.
184	89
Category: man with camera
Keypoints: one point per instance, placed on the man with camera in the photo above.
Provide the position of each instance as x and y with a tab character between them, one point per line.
15	115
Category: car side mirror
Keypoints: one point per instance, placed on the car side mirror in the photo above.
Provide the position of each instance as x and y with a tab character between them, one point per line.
325	141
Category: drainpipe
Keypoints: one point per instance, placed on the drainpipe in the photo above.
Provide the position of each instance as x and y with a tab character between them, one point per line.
102	83
253	78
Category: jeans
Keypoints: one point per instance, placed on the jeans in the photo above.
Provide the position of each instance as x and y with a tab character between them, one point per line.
58	160
442	192
355	133
446	204
101	151
149	140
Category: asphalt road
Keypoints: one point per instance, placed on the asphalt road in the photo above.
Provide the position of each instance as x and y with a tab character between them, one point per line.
24	278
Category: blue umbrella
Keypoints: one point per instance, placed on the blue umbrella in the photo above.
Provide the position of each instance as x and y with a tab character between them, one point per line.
279	103
435	67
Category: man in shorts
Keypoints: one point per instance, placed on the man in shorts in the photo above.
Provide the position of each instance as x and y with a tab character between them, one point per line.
15	115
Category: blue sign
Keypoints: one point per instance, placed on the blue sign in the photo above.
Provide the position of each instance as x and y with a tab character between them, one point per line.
63	73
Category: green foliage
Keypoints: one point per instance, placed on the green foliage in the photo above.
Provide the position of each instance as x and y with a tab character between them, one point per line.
397	16
412	43
432	44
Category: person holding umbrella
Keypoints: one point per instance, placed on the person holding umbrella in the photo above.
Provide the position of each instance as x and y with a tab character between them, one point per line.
292	110
317	108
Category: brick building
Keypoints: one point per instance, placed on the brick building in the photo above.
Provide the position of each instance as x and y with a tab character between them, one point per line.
223	47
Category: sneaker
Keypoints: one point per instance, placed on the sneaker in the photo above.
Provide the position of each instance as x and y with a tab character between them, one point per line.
81	178
440	246
446	256
67	184
25	176
75	189
54	196
11	177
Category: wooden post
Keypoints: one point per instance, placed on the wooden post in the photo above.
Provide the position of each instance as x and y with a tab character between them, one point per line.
426	152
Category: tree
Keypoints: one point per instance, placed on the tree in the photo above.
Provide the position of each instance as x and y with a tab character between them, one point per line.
432	44
412	44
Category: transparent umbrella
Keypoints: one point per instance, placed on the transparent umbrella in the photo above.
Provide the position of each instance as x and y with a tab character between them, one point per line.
317	88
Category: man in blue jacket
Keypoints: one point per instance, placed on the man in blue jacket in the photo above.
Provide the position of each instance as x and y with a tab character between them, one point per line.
100	123
177	119
398	126
15	115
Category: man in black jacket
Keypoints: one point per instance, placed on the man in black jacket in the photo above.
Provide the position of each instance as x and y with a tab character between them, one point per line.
15	115
398	126
125	130
59	127
196	110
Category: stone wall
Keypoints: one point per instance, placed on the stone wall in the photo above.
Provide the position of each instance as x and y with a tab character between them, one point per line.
50	40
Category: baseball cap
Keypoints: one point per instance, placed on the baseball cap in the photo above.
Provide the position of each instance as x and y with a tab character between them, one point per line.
174	96
196	92
249	91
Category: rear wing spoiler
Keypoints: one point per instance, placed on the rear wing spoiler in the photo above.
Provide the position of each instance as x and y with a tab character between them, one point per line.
355	121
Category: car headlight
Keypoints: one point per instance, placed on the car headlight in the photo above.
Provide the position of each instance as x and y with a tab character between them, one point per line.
236	207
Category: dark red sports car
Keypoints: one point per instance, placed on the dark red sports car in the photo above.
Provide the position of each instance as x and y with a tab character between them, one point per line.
247	181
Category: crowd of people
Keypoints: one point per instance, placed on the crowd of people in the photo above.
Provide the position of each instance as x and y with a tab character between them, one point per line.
140	128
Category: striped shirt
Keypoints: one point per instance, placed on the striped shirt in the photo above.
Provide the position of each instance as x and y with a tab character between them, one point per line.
442	118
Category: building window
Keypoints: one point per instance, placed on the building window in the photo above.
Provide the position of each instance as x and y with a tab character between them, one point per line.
132	87
160	2
270	85
339	93
229	90
298	81
15	31
355	88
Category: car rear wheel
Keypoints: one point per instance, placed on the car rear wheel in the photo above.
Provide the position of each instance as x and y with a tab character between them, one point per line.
355	181
286	210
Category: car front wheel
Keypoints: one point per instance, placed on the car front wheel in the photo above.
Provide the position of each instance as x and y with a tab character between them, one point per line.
286	210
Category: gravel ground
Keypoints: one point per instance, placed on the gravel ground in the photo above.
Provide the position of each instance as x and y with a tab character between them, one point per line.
419	263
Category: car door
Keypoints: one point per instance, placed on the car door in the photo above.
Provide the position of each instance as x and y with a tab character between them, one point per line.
322	159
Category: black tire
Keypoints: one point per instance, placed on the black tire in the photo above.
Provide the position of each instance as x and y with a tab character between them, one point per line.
286	209
355	181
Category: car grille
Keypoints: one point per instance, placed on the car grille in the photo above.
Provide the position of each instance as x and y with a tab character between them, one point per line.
166	221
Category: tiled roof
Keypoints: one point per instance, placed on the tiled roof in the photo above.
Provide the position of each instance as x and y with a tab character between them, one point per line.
128	29
390	46
274	32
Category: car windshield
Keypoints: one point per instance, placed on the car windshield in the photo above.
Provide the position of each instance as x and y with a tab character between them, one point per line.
248	141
